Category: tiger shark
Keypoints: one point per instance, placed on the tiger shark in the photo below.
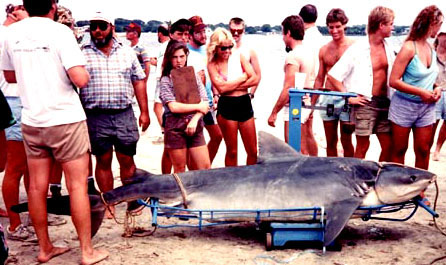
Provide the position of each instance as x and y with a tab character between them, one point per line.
282	178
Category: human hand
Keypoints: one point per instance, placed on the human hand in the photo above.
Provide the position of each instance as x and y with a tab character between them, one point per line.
437	93
427	96
272	119
191	127
144	121
203	107
358	100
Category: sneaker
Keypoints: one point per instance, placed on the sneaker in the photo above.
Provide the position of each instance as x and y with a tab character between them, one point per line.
21	233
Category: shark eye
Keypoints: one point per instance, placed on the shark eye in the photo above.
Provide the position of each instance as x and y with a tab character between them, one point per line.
413	178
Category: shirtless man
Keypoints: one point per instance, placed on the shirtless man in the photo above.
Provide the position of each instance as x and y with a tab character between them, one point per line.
329	54
299	60
237	29
364	69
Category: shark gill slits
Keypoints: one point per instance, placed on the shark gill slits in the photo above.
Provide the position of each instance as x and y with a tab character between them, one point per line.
413	178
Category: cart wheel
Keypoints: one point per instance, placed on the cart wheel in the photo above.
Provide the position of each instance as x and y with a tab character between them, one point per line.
269	241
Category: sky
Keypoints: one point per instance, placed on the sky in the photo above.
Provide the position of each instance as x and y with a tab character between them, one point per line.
255	13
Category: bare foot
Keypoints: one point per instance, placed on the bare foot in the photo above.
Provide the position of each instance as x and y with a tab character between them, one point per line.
3	213
436	156
56	251
97	256
110	213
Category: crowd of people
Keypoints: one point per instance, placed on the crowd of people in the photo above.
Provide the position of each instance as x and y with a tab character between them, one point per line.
68	100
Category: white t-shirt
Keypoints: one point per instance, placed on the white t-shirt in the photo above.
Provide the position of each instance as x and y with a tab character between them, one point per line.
9	90
314	40
40	51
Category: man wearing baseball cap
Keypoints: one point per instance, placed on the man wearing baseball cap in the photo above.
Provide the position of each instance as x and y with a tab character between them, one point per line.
198	59
133	33
116	77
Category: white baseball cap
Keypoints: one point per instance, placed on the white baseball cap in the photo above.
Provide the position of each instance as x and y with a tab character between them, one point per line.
102	17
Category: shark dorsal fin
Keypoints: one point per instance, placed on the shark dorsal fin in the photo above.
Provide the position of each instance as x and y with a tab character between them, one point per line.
272	149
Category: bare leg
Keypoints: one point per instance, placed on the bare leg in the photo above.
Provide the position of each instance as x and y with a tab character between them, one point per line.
422	146
362	146
178	157
400	142
2	150
200	154
331	135
214	141
385	140
39	169
249	138
76	172
440	141
308	137
286	131
15	168
166	164
104	176
347	130
127	166
229	130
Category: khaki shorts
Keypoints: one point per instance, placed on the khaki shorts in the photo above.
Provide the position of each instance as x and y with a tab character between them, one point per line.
373	117
62	142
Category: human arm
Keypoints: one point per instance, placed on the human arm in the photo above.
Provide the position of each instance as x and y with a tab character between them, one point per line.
254	61
249	70
290	70
141	96
146	70
192	125
320	78
222	86
403	58
79	76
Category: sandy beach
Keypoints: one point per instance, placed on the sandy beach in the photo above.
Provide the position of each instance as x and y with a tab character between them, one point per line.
415	241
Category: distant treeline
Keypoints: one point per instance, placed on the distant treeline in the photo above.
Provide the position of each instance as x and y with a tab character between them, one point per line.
152	26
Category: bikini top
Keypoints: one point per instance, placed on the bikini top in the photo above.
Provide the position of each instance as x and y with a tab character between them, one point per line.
417	74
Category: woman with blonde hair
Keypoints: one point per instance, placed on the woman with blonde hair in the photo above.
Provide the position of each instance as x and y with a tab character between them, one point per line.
231	76
413	76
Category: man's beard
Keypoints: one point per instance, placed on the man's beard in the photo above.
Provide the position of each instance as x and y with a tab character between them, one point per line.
197	42
288	49
104	42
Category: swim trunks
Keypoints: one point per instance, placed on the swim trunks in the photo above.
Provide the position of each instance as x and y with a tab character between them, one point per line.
235	108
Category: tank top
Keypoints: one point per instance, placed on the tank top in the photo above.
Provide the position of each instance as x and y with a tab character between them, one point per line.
417	74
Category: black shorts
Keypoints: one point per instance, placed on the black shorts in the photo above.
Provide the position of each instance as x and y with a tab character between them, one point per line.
235	108
209	118
6	117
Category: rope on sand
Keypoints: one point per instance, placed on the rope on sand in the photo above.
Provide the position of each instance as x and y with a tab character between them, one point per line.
435	222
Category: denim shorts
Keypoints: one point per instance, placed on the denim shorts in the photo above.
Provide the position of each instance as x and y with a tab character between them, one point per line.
14	133
406	113
338	113
112	128
440	107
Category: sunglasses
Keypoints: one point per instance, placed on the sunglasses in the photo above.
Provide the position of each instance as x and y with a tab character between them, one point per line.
237	31
224	48
102	26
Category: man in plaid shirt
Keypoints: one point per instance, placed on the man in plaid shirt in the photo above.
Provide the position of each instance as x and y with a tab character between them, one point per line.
116	76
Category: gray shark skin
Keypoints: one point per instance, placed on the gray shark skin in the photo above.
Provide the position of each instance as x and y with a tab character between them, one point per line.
282	179
285	179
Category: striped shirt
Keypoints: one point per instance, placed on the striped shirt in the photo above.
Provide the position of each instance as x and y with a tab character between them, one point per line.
110	85
141	54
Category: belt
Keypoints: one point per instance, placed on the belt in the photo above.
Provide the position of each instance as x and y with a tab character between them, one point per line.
106	111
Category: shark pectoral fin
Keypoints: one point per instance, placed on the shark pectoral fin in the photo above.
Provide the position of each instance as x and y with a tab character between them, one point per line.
59	205
337	216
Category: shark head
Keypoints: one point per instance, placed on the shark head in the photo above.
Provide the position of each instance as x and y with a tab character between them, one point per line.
398	183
